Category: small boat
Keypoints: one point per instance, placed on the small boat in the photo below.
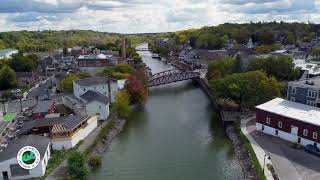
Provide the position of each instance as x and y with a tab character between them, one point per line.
157	56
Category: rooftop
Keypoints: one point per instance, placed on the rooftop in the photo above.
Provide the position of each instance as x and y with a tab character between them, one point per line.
5	51
93	81
90	96
307	83
68	122
39	142
293	110
42	106
96	56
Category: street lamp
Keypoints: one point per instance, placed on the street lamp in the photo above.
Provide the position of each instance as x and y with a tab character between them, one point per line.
264	160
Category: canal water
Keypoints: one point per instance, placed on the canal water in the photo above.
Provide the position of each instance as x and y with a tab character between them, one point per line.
178	136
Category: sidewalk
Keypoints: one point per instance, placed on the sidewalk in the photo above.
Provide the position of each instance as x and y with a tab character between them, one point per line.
60	171
260	153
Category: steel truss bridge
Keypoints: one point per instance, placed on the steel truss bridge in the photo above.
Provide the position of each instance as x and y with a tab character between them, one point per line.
171	76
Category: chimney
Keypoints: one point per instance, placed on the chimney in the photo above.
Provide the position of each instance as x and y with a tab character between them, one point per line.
123	47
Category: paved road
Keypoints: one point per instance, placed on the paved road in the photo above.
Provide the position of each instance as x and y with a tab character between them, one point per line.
290	163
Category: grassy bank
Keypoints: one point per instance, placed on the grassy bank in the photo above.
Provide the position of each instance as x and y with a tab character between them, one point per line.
102	135
253	156
57	157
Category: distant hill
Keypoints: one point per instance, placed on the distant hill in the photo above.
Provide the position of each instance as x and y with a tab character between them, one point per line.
33	41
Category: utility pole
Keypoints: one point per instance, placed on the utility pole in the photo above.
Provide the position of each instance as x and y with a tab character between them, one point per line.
109	87
20	104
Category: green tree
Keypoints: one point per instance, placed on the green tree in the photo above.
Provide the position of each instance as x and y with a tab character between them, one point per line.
8	78
281	67
66	85
316	53
289	39
77	165
122	104
84	75
209	41
265	49
220	68
118	75
137	59
247	89
123	68
22	63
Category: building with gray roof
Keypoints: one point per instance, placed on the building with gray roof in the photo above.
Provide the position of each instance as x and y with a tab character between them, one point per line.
305	91
96	84
10	169
64	132
96	104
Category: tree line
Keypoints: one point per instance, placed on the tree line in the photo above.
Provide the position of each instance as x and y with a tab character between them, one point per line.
247	86
41	41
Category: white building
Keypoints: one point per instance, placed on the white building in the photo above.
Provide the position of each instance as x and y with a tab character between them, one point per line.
95	84
9	167
7	53
96	104
64	132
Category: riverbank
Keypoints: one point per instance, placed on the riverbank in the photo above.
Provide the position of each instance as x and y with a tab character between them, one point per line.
108	132
249	168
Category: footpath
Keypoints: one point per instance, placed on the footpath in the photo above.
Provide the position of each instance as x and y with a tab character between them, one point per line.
61	170
260	153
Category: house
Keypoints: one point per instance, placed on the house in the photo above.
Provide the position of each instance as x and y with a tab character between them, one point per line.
96	104
96	62
48	63
110	52
9	167
7	53
64	132
43	108
305	91
76	51
164	41
294	122
250	44
199	57
97	84
311	69
229	43
239	49
305	46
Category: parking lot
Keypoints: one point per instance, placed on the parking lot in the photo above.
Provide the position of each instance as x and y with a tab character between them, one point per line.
10	132
290	163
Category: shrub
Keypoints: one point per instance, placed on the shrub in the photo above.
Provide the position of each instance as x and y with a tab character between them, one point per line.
76	165
95	161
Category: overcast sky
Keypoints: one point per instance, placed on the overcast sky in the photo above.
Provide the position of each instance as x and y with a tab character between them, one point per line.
132	16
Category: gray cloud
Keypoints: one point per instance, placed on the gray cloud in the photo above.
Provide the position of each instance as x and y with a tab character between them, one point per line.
147	15
243	2
269	6
62	6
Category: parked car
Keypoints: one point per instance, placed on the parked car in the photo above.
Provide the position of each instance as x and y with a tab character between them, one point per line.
16	91
312	150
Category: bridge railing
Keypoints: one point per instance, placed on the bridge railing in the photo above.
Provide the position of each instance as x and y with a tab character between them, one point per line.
170	76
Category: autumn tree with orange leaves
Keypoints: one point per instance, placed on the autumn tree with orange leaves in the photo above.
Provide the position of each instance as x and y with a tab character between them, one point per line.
137	87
